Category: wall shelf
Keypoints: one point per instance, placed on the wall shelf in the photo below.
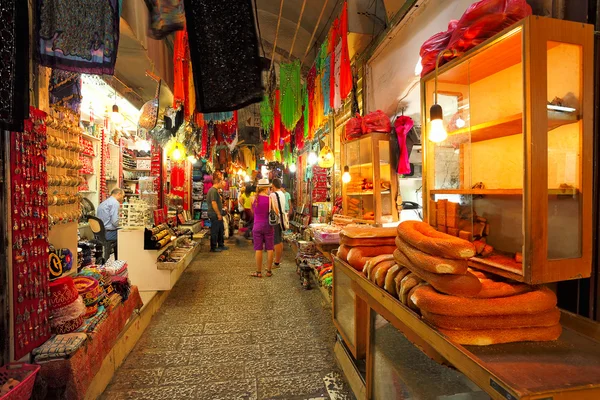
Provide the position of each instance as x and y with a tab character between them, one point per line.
503	192
511	125
90	137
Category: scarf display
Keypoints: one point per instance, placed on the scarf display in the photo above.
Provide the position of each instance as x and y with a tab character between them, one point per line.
310	87
79	35
225	55
290	87
345	68
326	86
14	65
276	134
306	116
333	39
318	106
181	72
337	71
266	114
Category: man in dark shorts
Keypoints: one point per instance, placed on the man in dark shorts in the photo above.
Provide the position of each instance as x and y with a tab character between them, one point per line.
215	208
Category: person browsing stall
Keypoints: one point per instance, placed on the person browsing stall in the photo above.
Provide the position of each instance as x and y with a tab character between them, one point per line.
278	201
262	233
108	212
215	213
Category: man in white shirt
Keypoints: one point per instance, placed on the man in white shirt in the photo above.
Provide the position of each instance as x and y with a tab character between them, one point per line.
108	212
278	201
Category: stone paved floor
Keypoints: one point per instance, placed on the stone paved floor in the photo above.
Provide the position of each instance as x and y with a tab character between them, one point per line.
224	335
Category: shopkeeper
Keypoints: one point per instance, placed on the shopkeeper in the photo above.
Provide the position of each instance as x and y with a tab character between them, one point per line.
215	213
108	212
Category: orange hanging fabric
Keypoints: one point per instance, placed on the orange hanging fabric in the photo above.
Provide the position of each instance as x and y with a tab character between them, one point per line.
345	68
333	38
180	68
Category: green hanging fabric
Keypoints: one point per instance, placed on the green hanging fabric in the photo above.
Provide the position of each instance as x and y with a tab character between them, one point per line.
266	114
306	111
288	154
291	96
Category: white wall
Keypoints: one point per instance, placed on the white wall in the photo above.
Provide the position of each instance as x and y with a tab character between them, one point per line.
390	71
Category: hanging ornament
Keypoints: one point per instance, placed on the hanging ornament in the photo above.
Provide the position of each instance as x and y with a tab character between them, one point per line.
291	97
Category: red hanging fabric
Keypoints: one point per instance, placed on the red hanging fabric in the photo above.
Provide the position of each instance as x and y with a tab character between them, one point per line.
276	122
179	68
345	70
333	38
310	86
299	134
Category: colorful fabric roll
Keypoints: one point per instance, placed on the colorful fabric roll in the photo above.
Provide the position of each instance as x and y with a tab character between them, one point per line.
67	313
91	311
62	293
89	289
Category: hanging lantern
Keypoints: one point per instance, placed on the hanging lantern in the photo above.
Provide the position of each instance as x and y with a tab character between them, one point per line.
326	158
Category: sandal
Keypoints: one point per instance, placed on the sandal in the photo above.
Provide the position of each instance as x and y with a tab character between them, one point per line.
269	274
256	274
276	265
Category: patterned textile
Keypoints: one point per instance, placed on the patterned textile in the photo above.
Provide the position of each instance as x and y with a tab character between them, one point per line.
91	324
59	347
166	16
63	293
14	65
65	89
79	35
224	53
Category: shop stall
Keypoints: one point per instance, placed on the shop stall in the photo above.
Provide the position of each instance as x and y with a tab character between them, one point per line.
506	194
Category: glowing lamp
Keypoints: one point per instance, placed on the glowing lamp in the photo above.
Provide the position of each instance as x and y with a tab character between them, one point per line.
312	158
437	132
292	168
346	177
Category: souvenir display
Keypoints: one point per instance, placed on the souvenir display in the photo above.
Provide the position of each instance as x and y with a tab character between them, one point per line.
66	306
29	222
63	165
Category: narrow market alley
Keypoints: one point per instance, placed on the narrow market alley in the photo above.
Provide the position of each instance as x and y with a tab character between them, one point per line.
224	335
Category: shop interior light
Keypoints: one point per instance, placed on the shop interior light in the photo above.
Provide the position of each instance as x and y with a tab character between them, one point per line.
178	152
346	177
460	123
418	67
246	178
192	159
312	158
437	132
145	145
292	168
116	116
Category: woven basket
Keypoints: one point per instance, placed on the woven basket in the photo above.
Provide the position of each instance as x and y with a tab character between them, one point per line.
24	373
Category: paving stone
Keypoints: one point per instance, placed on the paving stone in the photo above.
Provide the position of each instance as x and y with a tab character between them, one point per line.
155	358
232	390
137	378
309	385
226	354
215	341
159	342
154	393
202	373
211	328
303	364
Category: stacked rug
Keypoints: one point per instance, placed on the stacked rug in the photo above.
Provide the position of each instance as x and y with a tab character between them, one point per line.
59	347
67	307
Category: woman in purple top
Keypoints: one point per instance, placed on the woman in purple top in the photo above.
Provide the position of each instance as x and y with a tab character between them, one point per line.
262	232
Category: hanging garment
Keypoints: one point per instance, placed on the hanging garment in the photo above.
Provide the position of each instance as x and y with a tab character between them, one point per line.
333	39
318	106
180	68
276	134
403	125
337	99
65	89
310	87
14	65
326	86
79	35
306	116
266	114
166	16
224	53
290	87
345	68
218	116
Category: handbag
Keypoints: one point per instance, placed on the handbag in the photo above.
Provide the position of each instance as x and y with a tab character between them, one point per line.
285	223
273	217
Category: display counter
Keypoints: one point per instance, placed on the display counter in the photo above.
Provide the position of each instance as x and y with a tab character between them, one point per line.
568	368
144	270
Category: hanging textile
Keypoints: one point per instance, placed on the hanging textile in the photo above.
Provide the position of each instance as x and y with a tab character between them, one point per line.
318	106
326	86
266	114
166	16
345	68
65	89
224	53
337	102
276	134
310	86
14	65
181	71
80	36
299	134
307	132
191	89
402	126
333	40
290	87
218	116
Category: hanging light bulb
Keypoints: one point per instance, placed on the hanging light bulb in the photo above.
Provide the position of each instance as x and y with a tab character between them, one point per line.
145	145
192	159
312	158
346	177
116	116
292	168
437	132
246	178
460	123
178	152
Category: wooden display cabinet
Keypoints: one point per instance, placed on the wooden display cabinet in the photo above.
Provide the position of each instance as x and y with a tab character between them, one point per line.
368	160
512	157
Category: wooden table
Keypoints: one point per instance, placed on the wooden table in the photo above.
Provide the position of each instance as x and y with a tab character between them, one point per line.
568	368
